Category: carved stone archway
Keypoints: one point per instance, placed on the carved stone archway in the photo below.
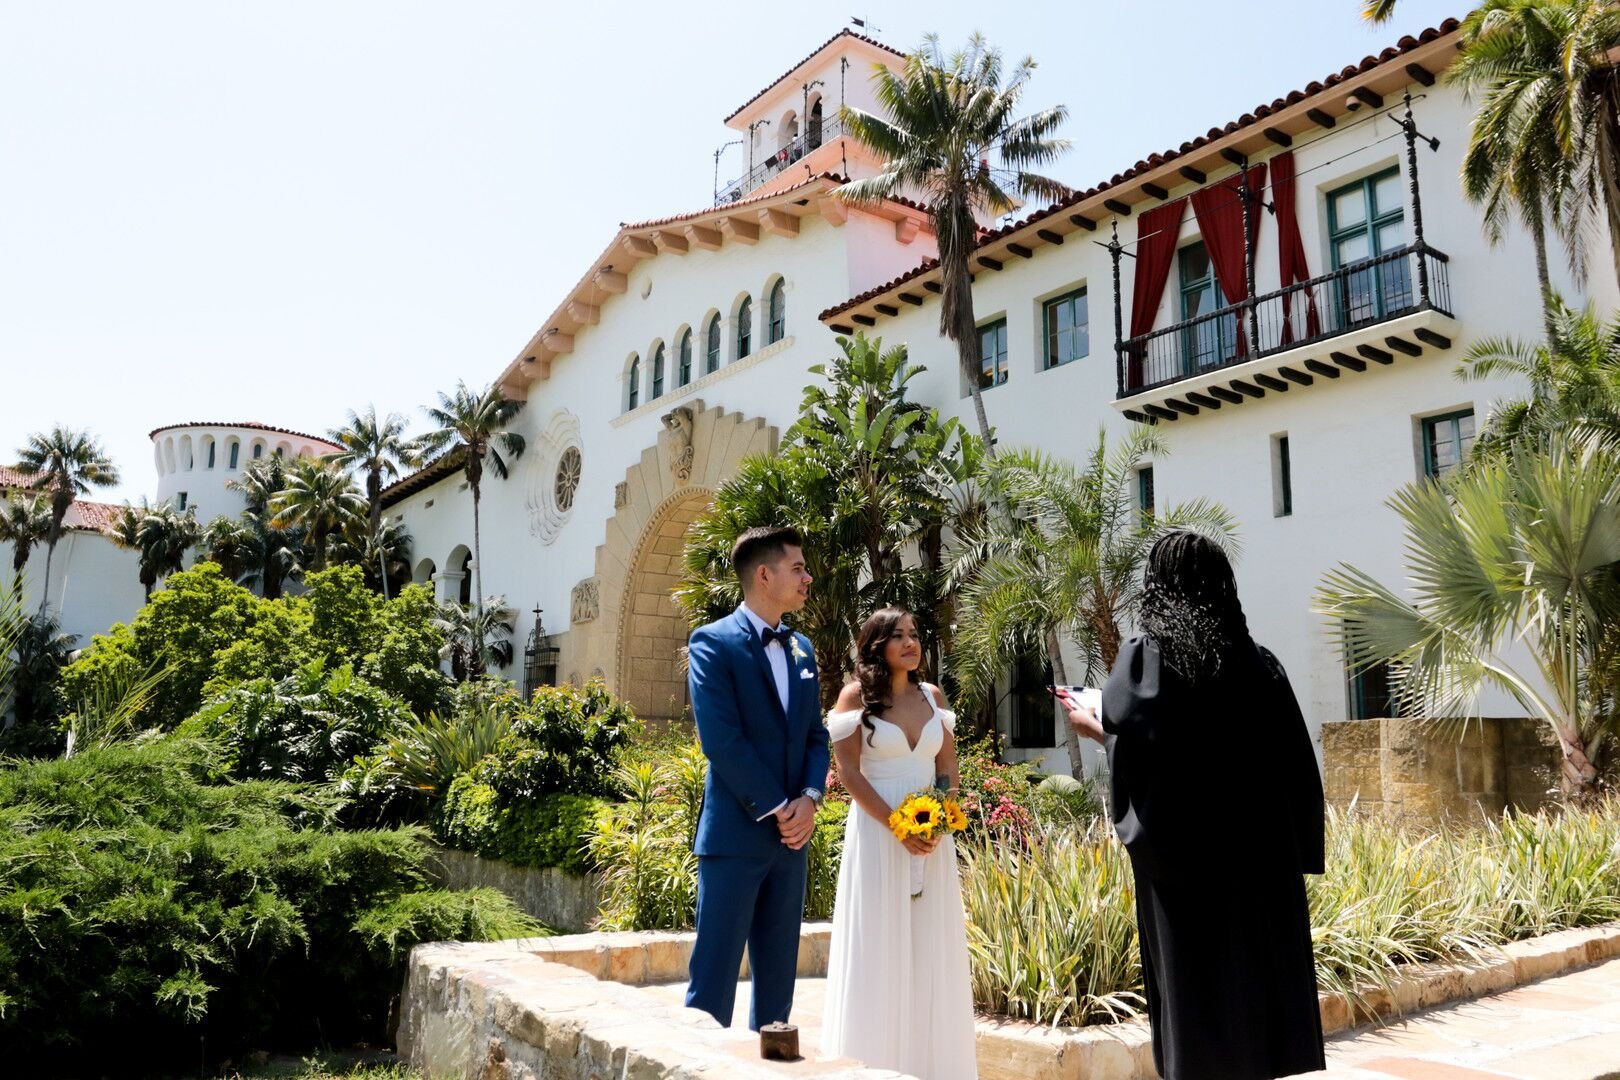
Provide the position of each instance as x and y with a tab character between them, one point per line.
623	621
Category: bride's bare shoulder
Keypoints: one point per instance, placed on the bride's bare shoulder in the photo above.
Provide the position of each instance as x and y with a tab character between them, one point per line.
849	697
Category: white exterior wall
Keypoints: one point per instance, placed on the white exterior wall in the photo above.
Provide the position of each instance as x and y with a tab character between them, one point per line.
94	583
585	393
1353	440
180	455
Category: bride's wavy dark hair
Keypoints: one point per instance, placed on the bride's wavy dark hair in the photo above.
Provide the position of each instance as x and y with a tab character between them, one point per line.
872	670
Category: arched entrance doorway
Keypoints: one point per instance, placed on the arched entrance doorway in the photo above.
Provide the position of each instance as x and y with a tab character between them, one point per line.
652	629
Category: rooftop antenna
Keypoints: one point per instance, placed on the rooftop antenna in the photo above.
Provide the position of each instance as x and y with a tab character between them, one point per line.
864	25
717	152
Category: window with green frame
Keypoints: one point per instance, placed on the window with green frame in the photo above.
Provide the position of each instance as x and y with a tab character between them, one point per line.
1068	328
1144	490
1367	219
1034	720
992	354
1446	442
1210	342
1370	695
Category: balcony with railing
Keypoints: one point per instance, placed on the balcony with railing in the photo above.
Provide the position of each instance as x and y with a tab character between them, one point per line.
1358	297
819	132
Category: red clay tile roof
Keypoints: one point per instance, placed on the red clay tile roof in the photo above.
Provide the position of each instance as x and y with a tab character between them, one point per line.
251	425
720	209
842	33
90	516
11	478
446	464
1154	161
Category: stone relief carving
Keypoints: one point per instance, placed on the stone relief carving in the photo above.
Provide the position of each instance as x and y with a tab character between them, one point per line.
679	423
550	499
621	494
586	602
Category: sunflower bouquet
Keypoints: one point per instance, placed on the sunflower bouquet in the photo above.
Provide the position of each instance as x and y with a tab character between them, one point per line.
925	815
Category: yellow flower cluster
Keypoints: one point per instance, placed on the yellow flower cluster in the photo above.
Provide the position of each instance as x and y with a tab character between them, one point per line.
925	814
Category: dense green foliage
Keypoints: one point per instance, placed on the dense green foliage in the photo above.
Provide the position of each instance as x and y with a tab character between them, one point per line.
549	830
563	739
143	905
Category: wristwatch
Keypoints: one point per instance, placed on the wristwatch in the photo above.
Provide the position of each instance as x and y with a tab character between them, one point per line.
813	794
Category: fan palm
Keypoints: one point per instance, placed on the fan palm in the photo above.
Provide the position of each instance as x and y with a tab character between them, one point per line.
475	639
42	651
387	548
25	519
1065	560
68	464
1516	555
1547	137
1574	379
475	426
319	498
269	553
946	117
378	450
160	535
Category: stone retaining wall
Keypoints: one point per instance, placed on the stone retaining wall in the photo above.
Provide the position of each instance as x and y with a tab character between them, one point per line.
1428	772
569	1008
561	900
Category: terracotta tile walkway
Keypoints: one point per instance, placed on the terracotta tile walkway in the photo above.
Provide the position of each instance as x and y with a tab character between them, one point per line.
1563	1028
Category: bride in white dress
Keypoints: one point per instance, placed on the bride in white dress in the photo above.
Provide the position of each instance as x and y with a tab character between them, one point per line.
898	992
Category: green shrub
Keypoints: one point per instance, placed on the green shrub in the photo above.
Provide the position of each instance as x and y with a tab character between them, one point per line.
826	852
308	726
551	830
563	739
1061	800
997	797
145	910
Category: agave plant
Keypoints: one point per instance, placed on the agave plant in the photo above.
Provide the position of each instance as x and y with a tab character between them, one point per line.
431	752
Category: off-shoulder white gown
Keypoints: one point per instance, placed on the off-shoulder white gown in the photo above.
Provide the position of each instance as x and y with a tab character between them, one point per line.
898	991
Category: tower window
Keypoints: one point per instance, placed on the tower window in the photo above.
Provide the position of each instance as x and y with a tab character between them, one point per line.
745	327
778	314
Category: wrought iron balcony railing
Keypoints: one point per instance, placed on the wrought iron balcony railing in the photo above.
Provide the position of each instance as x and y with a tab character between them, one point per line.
818	132
1359	295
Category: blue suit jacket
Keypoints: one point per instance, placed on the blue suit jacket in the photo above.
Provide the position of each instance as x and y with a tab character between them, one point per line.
758	754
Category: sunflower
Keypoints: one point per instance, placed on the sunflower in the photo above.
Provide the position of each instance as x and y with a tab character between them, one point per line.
955	817
919	815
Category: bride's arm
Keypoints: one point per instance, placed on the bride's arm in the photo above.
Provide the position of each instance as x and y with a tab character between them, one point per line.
848	752
945	763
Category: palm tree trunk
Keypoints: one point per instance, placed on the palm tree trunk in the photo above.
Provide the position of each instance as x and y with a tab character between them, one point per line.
1538	241
1060	676
478	581
45	589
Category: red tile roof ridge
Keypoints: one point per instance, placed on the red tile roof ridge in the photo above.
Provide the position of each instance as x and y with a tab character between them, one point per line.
1405	45
251	425
846	32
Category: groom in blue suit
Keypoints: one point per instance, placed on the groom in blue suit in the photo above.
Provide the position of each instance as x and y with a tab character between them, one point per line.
756	699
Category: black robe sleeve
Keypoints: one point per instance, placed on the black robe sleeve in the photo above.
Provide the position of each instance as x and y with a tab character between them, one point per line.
1296	767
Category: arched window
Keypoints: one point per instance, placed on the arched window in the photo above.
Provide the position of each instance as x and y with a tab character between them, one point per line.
683	373
633	398
814	132
745	327
711	354
658	373
778	314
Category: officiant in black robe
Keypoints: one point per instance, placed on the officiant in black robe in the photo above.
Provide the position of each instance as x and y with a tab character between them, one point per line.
1216	797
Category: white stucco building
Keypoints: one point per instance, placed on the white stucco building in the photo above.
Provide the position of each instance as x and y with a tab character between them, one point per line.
686	342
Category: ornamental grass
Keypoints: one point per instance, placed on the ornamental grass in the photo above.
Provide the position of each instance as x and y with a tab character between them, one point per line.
1052	930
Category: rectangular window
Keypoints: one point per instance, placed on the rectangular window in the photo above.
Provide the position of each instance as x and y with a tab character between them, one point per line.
1208	340
1034	723
182	505
1144	490
1282	478
1366	219
1068	328
1446	442
1370	697
993	354
235	450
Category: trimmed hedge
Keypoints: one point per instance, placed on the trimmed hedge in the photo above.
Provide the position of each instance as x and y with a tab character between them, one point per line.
548	830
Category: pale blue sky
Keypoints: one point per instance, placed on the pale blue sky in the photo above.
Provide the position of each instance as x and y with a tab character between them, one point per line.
220	210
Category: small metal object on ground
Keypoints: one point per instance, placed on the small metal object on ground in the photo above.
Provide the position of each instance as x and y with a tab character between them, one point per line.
779	1042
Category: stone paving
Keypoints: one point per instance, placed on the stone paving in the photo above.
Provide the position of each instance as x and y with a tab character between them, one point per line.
1563	1028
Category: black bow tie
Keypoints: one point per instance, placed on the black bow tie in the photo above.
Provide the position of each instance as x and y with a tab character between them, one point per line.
782	634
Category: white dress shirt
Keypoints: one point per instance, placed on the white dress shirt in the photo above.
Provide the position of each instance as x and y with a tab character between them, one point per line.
776	653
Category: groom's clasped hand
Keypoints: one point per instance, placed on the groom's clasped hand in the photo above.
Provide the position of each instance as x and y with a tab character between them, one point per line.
797	822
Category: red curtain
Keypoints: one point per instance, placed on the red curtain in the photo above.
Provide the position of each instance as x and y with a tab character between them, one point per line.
1219	210
1290	247
1156	233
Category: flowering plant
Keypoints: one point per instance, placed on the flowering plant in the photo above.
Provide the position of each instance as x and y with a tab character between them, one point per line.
925	815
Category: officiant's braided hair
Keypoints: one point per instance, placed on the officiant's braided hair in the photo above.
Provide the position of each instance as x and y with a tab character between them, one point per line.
1190	604
872	667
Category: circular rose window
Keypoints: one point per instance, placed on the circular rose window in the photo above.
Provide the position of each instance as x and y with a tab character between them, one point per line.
567	481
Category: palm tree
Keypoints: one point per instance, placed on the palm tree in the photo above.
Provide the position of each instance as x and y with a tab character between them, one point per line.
475	427
379	450
388	548
475	638
1377	11
270	552
1547	137
1065	560
946	117
25	519
231	543
42	651
318	497
1574	379
69	464
160	535
1517	555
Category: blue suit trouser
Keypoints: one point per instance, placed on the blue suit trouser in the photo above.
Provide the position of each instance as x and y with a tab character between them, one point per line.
757	901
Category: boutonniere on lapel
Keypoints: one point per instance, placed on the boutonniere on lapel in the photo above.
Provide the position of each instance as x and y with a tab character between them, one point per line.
798	650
